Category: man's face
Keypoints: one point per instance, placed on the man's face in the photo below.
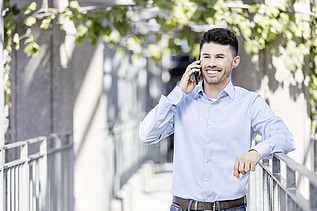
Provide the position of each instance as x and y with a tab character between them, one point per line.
217	63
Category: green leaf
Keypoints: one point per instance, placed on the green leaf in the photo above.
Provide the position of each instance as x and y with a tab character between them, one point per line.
46	22
195	50
140	2
16	40
135	58
80	34
30	21
155	52
119	52
75	6
30	8
32	48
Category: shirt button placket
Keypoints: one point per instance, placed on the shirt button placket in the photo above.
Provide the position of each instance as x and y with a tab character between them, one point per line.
208	153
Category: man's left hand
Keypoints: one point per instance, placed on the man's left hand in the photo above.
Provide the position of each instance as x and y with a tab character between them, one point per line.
246	162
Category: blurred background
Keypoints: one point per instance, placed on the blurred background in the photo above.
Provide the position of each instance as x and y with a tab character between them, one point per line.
79	76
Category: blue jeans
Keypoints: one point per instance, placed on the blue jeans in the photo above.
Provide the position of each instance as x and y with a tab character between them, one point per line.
176	207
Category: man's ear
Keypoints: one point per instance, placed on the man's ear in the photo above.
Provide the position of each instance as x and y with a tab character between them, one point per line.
236	61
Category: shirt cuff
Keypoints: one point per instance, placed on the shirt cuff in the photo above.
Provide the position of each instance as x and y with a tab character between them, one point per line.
176	96
262	149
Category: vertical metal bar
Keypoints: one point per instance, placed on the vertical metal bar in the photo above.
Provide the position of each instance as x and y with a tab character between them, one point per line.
290	184
70	180
290	178
275	192
271	192
276	169
2	175
25	194
58	175
266	189
63	173
9	185
16	187
282	199
43	175
12	189
259	198
312	196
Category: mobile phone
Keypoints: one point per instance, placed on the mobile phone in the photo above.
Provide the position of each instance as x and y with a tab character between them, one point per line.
195	76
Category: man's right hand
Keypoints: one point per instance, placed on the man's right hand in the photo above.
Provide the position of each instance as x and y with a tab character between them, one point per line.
185	84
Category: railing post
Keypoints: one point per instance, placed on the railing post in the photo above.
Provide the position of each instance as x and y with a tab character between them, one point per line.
290	178
290	185
2	181
276	169
266	187
58	174
25	193
312	196
70	175
43	175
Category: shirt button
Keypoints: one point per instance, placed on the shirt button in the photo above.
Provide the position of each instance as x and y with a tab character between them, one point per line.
210	122
207	161
208	141
206	180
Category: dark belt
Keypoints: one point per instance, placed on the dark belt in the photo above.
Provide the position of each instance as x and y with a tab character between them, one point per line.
196	205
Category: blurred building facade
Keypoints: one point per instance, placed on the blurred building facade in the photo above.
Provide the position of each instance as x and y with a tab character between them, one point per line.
101	97
97	95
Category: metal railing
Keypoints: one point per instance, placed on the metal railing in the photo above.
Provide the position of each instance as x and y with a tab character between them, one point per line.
40	177
129	153
276	185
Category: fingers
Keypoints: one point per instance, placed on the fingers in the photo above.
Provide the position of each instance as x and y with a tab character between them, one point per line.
246	163
186	84
193	67
253	166
236	171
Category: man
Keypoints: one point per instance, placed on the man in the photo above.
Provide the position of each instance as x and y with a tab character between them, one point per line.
214	123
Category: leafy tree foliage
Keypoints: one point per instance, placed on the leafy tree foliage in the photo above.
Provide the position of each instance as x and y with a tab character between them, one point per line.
276	27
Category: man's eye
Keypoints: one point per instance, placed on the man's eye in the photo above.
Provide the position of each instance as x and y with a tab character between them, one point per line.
220	57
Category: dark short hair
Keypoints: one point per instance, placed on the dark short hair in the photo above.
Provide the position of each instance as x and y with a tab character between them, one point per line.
221	36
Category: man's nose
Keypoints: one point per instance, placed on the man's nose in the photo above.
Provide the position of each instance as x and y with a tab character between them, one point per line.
212	62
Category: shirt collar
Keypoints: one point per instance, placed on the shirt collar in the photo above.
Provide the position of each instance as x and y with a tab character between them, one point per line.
199	90
229	90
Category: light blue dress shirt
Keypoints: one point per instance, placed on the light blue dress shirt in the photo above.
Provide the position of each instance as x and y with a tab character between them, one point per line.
209	135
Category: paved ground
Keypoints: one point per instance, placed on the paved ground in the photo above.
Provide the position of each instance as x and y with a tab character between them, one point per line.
156	195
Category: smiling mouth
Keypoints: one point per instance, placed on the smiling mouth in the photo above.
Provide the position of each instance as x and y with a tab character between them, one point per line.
212	72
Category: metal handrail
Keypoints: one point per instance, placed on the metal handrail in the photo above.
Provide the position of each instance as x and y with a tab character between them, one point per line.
33	140
41	176
290	196
292	164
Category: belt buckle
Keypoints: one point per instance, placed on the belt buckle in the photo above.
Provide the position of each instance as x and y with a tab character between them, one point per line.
196	205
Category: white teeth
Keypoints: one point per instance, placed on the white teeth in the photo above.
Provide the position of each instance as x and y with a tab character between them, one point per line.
212	71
